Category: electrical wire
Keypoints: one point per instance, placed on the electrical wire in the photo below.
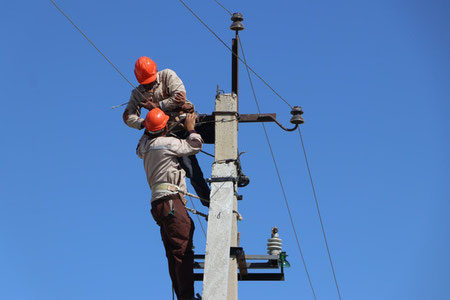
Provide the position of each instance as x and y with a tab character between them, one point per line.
248	68
96	48
279	177
307	165
92	43
220	4
226	46
318	212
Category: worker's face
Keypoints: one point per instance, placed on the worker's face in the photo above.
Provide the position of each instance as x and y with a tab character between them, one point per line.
149	86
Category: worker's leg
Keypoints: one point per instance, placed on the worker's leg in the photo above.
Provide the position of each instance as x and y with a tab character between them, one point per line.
194	173
177	231
170	260
158	213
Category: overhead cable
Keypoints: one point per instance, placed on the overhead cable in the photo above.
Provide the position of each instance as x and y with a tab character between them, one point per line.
96	48
92	43
307	165
226	46
279	178
318	212
220	4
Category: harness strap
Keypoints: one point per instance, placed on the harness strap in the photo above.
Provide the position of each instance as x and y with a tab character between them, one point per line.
164	187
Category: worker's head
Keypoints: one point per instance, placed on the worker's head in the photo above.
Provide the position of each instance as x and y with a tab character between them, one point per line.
156	121
145	70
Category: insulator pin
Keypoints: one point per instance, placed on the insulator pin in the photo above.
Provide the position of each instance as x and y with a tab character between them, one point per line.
297	113
237	19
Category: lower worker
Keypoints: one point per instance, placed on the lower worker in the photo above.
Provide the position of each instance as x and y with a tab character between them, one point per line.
167	181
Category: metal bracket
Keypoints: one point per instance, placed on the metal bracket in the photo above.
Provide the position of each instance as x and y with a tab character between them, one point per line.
269	262
226	113
296	119
252	118
222	179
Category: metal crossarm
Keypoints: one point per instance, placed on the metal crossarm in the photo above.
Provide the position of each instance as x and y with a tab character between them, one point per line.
266	262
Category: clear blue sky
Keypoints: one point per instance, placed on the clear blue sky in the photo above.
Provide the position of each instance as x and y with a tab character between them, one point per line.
373	78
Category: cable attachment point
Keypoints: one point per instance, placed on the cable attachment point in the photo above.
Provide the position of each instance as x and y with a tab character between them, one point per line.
297	113
237	18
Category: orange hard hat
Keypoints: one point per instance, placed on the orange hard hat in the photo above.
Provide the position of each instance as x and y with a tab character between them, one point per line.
155	120
145	70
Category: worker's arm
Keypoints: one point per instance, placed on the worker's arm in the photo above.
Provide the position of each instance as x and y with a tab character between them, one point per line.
131	115
193	144
177	94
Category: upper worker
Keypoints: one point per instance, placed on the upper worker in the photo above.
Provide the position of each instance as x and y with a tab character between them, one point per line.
163	89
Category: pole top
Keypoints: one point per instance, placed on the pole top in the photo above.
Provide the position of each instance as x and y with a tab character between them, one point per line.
237	18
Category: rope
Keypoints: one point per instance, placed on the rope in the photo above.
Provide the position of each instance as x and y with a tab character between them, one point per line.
209	154
279	178
196	212
226	46
318	212
198	218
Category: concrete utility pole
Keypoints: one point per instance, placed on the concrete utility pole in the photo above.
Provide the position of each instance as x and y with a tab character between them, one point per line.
220	275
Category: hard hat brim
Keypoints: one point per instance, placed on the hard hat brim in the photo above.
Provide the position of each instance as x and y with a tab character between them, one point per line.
154	129
149	80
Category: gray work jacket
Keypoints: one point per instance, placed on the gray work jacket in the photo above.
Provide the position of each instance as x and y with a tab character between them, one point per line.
167	86
161	163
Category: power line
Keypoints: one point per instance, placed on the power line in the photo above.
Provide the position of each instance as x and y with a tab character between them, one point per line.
220	4
96	48
279	177
318	212
308	168
273	90
92	43
226	46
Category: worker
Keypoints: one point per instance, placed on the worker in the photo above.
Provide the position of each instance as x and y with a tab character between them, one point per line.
167	183
166	91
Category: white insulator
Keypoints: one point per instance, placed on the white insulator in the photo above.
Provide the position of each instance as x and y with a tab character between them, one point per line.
274	245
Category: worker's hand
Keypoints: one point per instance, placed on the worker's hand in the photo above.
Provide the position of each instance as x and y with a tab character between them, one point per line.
180	98
189	123
149	104
187	108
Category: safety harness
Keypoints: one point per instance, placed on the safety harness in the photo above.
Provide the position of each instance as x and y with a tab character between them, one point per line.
174	189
